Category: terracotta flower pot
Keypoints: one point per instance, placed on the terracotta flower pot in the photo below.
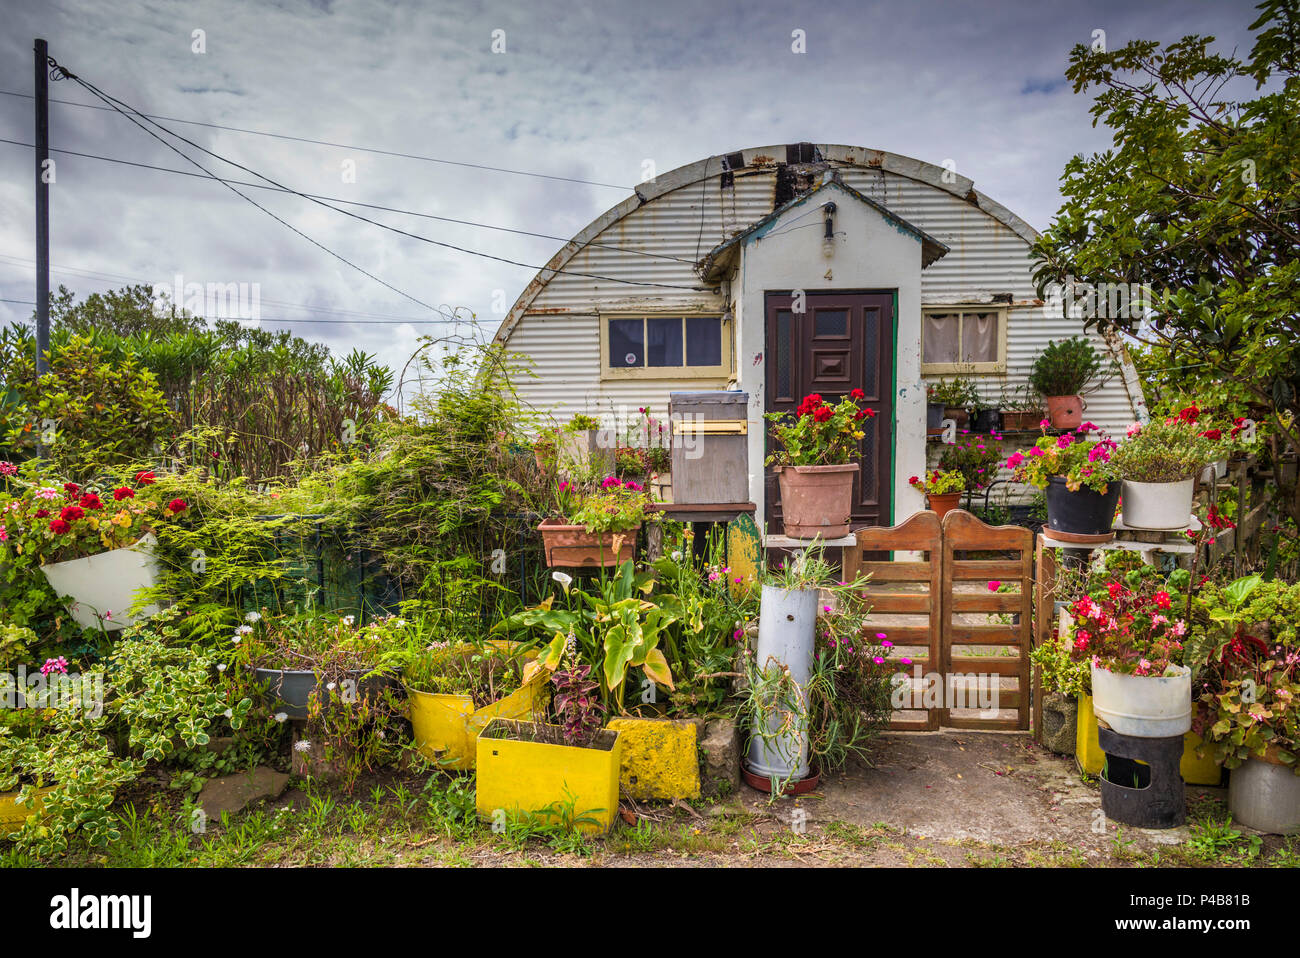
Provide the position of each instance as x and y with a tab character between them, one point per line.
574	547
1013	421
816	500
943	503
957	414
1066	412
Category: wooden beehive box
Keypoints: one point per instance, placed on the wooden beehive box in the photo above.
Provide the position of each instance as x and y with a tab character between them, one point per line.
710	446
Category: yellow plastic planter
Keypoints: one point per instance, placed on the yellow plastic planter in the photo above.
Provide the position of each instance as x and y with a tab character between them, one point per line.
446	726
515	775
1091	759
13	816
660	757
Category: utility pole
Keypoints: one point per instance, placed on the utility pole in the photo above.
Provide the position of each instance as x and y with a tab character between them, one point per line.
42	91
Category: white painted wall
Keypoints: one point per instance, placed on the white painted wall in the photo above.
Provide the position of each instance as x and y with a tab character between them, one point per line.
870	253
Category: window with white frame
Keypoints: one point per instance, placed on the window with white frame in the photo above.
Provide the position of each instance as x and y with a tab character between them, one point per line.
664	347
963	339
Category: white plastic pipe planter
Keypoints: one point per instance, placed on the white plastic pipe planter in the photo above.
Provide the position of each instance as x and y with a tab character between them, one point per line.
1158	506
101	589
1144	706
787	626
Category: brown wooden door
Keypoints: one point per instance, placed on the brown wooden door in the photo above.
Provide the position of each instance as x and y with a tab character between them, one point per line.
841	341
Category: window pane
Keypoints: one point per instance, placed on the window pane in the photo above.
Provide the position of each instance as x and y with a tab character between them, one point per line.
663	345
784	324
871	352
625	343
831	322
703	341
979	338
939	332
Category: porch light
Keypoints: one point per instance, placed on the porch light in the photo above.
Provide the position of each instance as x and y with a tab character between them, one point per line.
828	236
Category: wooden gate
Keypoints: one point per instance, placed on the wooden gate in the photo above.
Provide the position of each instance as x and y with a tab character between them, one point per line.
964	622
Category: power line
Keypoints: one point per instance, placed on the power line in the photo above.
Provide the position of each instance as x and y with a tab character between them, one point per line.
119	104
342	146
372	206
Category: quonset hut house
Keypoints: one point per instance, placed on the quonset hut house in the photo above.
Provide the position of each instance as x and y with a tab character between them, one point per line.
904	271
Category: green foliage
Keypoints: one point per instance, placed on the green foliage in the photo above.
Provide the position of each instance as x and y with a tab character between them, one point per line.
1166	451
819	433
1059	672
959	392
1066	367
976	457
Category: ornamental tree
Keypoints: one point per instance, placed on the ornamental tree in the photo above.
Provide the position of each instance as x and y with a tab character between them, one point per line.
1196	207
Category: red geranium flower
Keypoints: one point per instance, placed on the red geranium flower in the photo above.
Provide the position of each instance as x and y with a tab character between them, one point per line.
123	493
857	394
91	501
823	413
1212	434
1190	414
71	513
58	526
176	505
71	488
144	478
41	513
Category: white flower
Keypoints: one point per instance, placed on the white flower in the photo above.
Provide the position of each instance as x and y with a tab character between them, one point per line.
563	579
244	630
235	639
302	745
677	555
253	617
349	619
228	713
330	686
281	716
221	666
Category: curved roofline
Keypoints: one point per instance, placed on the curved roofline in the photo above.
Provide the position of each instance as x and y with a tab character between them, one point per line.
757	158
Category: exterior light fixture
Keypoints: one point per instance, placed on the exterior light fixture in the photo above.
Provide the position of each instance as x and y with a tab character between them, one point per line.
828	236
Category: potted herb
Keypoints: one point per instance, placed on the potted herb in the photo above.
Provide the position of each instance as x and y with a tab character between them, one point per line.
594	526
567	773
1062	372
1132	640
816	464
942	489
93	543
1021	410
1076	472
314	660
1249	704
957	397
453	691
1159	463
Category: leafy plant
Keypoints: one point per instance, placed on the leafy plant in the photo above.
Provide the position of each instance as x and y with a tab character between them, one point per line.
577	704
940	482
1066	367
1130	627
959	392
1081	461
976	457
1167	450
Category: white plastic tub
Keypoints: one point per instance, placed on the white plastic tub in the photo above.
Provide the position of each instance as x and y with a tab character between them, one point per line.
1144	706
100	589
1158	506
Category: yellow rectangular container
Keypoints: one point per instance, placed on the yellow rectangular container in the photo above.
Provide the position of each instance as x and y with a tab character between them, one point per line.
13	816
1091	759
660	757
515	775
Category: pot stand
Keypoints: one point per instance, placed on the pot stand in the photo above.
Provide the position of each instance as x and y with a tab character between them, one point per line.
1157	798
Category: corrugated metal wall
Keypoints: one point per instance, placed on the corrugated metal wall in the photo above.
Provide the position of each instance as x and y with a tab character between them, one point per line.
559	329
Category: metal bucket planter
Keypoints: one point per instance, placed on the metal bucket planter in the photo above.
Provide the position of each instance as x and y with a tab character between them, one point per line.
934	416
101	588
786	628
986	420
292	688
1144	706
1265	796
446	727
516	773
570	546
816	501
660	757
1065	412
13	816
1158	506
1083	515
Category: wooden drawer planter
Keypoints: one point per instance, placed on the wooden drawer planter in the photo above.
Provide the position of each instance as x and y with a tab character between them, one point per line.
660	757
710	446
516	774
574	547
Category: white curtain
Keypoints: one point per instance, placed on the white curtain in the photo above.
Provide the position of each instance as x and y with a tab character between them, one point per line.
939	337
979	338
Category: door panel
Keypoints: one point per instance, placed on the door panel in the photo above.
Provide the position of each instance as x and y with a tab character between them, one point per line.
842	341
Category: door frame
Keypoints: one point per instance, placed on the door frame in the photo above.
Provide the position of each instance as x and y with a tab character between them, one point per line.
892	435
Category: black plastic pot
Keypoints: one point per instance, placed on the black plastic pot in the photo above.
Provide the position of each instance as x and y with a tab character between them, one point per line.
292	688
1082	513
934	415
987	420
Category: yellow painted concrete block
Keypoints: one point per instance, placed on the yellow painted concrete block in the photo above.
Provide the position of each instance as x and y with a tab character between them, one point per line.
539	779
660	757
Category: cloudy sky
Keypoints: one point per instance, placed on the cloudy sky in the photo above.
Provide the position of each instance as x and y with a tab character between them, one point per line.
584	92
